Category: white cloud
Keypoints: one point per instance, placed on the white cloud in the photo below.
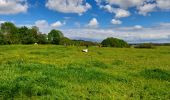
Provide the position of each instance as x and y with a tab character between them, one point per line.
108	8
143	6
1	21
138	27
121	13
114	21
13	6
93	23
131	34
68	6
57	24
143	10
45	27
164	24
163	4
41	23
126	3
123	3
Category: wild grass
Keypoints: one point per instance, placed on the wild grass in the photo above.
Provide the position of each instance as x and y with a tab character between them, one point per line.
58	72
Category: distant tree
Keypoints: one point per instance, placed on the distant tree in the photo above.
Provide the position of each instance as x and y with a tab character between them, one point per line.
27	36
55	36
35	28
145	45
10	32
2	39
84	43
23	34
8	28
42	39
66	41
114	42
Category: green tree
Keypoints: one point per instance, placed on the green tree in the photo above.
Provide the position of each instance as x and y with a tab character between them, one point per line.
114	42
42	39
8	28
145	45
27	36
65	41
2	39
10	32
55	36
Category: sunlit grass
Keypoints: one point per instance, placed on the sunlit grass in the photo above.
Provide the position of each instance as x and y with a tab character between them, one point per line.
59	72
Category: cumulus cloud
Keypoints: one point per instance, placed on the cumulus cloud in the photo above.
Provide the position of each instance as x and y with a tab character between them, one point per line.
93	23
45	27
114	21
57	24
142	6
108	8
143	10
123	3
119	13
133	34
126	3
68	6
13	6
163	4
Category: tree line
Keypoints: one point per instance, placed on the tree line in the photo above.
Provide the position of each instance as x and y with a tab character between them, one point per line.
11	34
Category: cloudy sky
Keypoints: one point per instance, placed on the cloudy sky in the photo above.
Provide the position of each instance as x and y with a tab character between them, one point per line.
131	20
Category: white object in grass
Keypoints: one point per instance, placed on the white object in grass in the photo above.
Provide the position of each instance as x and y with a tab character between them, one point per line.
85	50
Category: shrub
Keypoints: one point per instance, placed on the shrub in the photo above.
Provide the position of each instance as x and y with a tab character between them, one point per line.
65	41
145	45
114	42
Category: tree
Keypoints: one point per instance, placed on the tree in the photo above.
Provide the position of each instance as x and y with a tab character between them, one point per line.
145	45
114	42
2	39
10	31
42	39
55	36
65	41
8	28
27	36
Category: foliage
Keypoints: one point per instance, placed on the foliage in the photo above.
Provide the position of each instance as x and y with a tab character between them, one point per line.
10	34
114	42
55	36
8	28
145	45
2	39
42	39
84	43
65	41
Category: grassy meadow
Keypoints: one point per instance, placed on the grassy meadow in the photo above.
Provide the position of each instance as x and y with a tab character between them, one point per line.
48	72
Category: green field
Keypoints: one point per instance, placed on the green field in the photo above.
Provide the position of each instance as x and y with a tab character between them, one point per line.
57	72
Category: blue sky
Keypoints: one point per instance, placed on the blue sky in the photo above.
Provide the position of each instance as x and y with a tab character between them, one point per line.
132	20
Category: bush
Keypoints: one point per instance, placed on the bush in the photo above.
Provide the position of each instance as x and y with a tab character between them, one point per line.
65	41
114	42
145	45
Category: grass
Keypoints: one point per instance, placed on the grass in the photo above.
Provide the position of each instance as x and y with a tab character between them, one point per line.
56	72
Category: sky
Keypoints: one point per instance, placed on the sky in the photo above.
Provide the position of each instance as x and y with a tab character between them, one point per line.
132	20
